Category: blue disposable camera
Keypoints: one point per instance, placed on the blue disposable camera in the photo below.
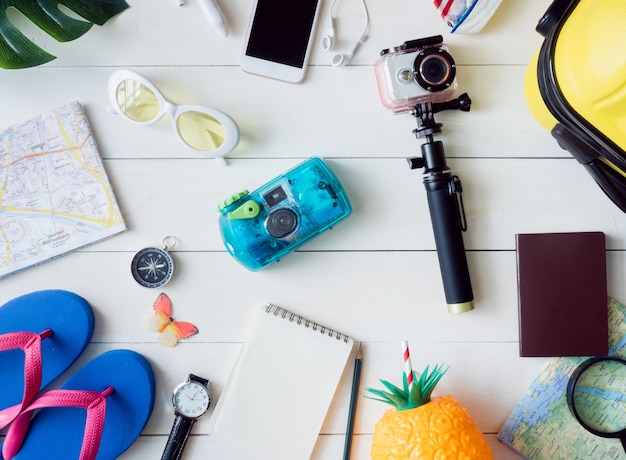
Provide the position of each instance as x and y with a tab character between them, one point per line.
259	228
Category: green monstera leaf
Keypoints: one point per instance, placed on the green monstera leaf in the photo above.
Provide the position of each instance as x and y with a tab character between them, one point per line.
18	52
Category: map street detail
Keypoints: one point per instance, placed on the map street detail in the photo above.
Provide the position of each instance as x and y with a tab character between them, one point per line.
542	427
55	196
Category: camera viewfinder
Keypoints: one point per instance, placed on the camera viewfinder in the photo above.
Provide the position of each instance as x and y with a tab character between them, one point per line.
275	196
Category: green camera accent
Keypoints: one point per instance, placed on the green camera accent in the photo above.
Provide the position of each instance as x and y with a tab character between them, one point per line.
231	200
249	210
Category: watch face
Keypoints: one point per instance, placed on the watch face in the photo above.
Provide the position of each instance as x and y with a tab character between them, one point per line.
152	267
191	399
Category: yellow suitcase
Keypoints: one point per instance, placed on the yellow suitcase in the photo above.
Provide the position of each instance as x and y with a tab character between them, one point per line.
575	86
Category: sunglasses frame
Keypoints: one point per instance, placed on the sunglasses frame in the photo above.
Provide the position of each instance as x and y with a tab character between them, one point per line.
232	133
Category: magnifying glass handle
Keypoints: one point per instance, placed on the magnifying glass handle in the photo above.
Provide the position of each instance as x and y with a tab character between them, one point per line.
622	438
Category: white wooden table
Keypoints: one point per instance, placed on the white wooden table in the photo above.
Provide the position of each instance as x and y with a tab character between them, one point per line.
374	276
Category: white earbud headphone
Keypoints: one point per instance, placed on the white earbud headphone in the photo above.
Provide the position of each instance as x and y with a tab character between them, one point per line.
328	41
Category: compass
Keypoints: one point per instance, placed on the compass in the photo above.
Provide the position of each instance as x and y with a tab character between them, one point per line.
154	267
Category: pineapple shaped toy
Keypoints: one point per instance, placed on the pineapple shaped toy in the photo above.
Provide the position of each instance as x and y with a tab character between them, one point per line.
421	427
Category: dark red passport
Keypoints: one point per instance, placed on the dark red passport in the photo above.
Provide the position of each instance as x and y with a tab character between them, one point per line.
562	294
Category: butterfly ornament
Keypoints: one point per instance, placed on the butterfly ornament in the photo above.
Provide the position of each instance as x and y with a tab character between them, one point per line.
169	331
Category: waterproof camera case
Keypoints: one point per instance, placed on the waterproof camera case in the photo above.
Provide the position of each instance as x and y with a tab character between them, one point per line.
417	71
575	86
259	228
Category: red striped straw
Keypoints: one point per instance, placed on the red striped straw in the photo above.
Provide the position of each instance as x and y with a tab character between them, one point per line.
408	370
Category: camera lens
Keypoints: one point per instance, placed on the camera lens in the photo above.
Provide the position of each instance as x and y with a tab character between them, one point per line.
434	69
281	222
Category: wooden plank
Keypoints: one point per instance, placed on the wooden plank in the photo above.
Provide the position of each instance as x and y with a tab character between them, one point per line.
335	114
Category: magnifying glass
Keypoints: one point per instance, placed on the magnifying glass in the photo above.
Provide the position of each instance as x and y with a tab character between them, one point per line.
596	396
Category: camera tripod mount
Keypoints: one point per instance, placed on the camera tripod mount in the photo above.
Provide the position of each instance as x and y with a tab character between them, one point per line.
425	114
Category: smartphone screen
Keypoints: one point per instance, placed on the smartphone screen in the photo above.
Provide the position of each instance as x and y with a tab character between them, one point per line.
280	31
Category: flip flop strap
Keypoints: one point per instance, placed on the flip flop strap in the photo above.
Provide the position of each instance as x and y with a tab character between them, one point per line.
30	343
92	401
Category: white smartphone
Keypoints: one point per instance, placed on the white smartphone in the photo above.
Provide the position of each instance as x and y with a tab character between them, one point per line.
279	38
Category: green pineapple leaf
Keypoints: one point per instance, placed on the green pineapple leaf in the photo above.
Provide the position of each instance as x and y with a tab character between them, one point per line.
385	397
424	386
395	390
18	52
402	398
395	397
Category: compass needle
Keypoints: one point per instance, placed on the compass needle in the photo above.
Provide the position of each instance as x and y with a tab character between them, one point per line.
153	267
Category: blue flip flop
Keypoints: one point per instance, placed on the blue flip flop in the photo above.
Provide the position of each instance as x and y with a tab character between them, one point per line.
111	400
41	335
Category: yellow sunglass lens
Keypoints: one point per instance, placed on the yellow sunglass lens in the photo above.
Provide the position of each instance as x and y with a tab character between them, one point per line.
137	101
200	131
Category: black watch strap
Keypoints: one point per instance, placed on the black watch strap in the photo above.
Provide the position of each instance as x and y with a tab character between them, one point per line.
195	378
178	438
180	430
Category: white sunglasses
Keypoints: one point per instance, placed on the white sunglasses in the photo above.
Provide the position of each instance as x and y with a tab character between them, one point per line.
203	129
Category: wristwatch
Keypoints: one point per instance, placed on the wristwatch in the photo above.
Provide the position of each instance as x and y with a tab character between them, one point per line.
191	399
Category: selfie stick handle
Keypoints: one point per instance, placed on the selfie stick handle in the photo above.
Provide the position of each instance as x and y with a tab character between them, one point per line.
443	191
448	221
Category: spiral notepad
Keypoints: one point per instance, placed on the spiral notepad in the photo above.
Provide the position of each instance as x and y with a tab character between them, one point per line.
281	386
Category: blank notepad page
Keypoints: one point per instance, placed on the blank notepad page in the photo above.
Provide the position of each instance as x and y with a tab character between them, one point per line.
281	386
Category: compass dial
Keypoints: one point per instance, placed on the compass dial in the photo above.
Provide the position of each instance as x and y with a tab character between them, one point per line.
152	267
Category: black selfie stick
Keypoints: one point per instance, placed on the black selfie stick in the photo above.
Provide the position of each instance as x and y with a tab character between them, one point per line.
445	203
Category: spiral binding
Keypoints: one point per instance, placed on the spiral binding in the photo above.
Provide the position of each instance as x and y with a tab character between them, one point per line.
299	320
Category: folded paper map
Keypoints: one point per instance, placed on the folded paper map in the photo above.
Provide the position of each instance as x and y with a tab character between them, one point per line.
541	426
55	196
